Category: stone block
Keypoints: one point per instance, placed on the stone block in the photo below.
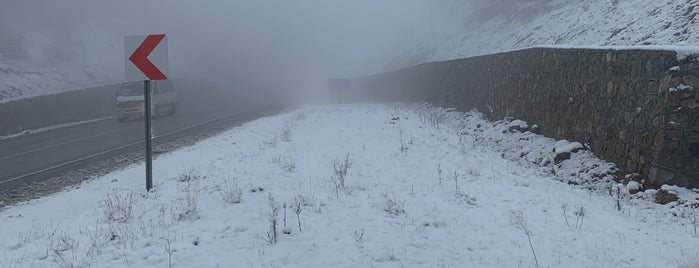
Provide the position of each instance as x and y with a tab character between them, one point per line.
622	135
610	88
649	140
690	80
690	104
664	197
658	120
633	70
664	84
560	157
634	154
693	150
660	175
673	135
622	88
631	165
652	87
672	100
678	119
676	81
659	139
621	150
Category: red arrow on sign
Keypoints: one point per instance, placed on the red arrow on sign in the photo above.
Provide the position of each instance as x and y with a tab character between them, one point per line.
140	57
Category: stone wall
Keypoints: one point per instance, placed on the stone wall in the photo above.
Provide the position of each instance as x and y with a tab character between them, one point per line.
636	108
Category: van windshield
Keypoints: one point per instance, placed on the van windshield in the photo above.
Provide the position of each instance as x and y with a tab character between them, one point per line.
130	90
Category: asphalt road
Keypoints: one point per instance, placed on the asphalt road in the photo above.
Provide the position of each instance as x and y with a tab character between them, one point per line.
31	157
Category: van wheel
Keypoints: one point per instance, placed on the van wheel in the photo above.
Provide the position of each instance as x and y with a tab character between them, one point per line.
172	110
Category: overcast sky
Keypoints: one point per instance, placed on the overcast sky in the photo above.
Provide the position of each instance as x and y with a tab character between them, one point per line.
342	37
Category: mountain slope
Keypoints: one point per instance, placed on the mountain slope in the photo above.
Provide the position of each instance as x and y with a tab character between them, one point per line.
495	27
18	82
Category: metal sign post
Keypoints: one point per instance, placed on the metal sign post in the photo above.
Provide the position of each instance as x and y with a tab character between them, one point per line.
149	147
152	70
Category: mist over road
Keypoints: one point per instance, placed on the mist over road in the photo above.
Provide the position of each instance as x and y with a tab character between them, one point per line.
36	156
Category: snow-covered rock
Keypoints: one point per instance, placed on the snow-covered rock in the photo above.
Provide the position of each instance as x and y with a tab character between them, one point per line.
518	125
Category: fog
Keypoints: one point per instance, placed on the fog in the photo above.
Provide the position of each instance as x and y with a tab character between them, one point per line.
268	43
248	45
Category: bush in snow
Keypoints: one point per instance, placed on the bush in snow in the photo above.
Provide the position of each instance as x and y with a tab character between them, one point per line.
169	250
11	262
285	229
456	181
297	207
284	206
286	132
690	261
403	147
694	219
271	142
306	199
119	207
232	195
580	213
521	222
390	255
273	233
564	207
432	116
188	176
340	168
359	236
186	207
393	206
285	163
462	197
65	252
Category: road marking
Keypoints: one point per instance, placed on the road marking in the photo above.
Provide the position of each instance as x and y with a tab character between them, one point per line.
42	129
115	149
58	144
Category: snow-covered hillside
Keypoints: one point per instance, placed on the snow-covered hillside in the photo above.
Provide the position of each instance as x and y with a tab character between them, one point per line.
39	62
358	186
18	82
497	26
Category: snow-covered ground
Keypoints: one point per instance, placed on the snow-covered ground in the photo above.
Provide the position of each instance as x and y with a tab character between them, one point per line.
423	187
17	82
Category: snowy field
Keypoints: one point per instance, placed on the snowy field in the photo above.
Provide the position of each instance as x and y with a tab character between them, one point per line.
358	186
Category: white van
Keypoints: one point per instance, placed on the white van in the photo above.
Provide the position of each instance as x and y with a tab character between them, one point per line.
129	99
